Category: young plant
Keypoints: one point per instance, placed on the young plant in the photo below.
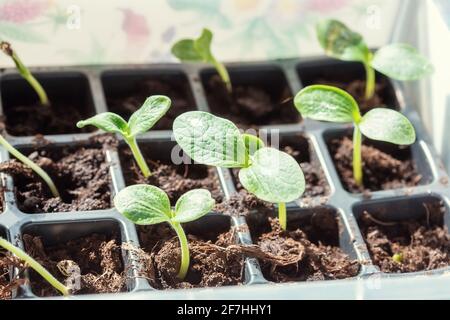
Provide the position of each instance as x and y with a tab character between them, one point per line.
269	174
35	266
398	60
199	50
140	122
144	204
33	166
327	103
25	73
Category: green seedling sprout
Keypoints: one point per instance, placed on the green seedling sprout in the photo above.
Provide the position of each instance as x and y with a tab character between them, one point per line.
327	103
398	61
140	122
36	266
33	166
25	73
144	204
199	50
269	174
398	257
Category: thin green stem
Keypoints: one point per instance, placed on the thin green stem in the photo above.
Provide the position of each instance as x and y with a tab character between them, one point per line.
184	267
138	156
30	164
35	266
223	73
38	88
357	161
282	217
370	81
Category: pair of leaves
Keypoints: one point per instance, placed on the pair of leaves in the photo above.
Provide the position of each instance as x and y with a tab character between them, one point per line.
268	173
140	122
146	204
398	61
195	50
326	103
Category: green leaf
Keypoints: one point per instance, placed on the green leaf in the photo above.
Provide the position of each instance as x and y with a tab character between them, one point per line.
185	51
210	140
252	143
273	176
387	125
401	61
106	121
193	205
326	103
203	45
340	42
146	116
143	204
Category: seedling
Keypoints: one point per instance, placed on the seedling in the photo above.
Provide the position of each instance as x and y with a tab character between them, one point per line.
36	266
140	122
144	204
33	166
269	174
327	103
25	73
397	60
199	50
398	257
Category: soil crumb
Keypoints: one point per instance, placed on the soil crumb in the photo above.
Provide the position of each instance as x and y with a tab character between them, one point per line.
98	257
381	171
8	286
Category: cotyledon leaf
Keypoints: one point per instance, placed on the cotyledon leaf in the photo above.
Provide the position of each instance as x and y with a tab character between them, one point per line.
193	205
273	176
107	121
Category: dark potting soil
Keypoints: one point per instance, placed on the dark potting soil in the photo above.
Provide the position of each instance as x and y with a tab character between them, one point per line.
357	88
31	119
423	244
381	171
8	261
175	180
81	175
211	265
243	203
250	106
306	252
178	91
99	258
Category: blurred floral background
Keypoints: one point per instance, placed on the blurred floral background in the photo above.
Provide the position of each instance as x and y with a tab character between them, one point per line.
49	32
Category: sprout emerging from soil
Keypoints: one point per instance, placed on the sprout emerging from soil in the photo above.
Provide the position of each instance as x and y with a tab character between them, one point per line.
397	60
199	50
25	73
398	257
35	266
146	205
33	166
327	103
269	174
140	122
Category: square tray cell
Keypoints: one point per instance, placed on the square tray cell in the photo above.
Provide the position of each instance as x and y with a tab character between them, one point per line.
94	246
316	246
261	96
169	172
81	174
70	97
126	90
386	166
351	77
210	265
407	234
5	271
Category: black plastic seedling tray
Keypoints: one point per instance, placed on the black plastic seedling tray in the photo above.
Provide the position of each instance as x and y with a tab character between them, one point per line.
93	84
